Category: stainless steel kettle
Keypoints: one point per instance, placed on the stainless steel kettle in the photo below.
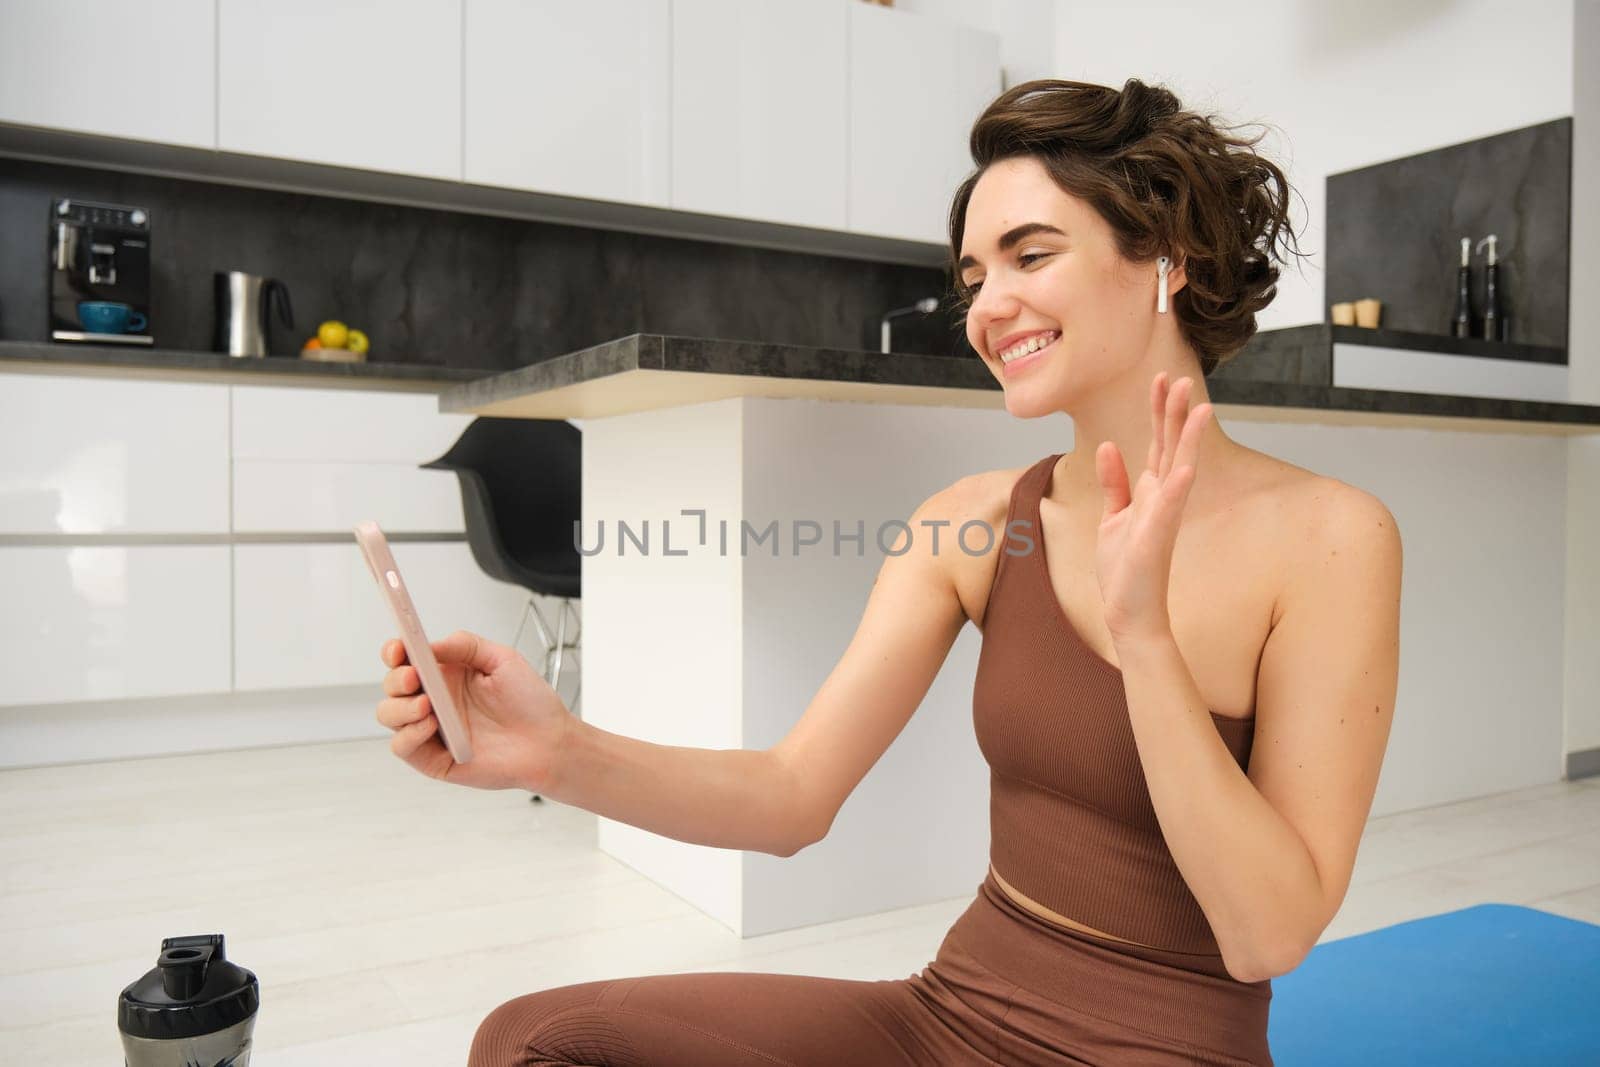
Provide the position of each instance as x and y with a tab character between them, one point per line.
243	305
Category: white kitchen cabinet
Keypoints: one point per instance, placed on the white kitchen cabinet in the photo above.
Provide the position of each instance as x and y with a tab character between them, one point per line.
346	82
103	456
916	86
341	425
569	98
140	69
309	460
113	622
309	615
274	496
760	115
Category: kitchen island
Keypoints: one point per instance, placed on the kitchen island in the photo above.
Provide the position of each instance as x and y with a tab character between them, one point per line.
649	372
756	481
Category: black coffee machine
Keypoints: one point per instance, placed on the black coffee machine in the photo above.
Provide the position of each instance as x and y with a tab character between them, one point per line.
99	273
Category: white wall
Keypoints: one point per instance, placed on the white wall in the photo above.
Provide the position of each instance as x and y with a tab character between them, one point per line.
1347	84
663	643
1026	29
1583	454
1351	84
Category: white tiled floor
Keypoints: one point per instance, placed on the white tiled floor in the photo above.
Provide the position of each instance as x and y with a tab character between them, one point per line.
386	915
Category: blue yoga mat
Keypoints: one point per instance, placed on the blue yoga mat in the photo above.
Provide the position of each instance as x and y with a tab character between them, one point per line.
1492	984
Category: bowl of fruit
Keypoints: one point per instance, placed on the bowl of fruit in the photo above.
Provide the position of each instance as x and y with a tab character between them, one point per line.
336	343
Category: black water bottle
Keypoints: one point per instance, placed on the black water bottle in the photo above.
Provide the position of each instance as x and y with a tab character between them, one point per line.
1461	322
194	1009
1491	291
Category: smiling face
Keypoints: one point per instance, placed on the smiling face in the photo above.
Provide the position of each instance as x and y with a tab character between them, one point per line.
1046	266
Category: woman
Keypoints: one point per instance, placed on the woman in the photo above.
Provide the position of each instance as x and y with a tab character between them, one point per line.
1184	692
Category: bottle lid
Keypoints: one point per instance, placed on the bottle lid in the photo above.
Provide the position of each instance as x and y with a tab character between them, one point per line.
192	990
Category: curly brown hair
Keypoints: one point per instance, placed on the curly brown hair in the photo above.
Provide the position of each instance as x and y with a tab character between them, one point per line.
1167	181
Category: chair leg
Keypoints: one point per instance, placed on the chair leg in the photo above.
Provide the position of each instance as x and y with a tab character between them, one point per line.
532	610
555	647
561	642
573	644
522	622
545	639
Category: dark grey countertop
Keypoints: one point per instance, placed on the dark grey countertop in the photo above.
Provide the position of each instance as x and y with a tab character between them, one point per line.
171	364
1280	376
647	371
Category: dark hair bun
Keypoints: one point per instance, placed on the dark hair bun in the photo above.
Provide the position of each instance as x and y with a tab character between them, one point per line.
1167	181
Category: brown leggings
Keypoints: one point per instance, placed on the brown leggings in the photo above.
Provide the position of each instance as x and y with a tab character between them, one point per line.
1006	987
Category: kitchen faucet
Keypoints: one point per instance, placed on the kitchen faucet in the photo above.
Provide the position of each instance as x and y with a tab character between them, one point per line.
924	306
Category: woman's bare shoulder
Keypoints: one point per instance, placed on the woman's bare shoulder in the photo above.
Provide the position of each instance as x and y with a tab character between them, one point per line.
970	558
1295	516
985	495
1302	495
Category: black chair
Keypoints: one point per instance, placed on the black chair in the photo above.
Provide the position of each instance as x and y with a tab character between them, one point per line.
521	493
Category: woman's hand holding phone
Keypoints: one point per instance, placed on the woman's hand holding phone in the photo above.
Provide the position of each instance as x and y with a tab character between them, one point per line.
518	723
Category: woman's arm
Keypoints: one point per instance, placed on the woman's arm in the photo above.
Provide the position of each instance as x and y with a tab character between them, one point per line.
1269	856
782	799
725	798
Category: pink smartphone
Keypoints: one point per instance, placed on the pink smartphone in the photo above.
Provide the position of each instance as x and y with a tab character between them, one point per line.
375	547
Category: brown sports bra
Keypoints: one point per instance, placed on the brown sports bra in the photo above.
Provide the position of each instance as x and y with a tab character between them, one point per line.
1071	824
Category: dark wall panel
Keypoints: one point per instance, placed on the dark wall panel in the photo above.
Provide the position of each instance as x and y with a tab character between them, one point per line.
1394	231
453	289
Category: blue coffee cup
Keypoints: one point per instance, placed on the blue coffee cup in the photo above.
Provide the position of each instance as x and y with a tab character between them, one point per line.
107	316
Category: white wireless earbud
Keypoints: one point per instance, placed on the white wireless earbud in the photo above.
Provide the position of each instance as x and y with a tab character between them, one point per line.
1163	264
